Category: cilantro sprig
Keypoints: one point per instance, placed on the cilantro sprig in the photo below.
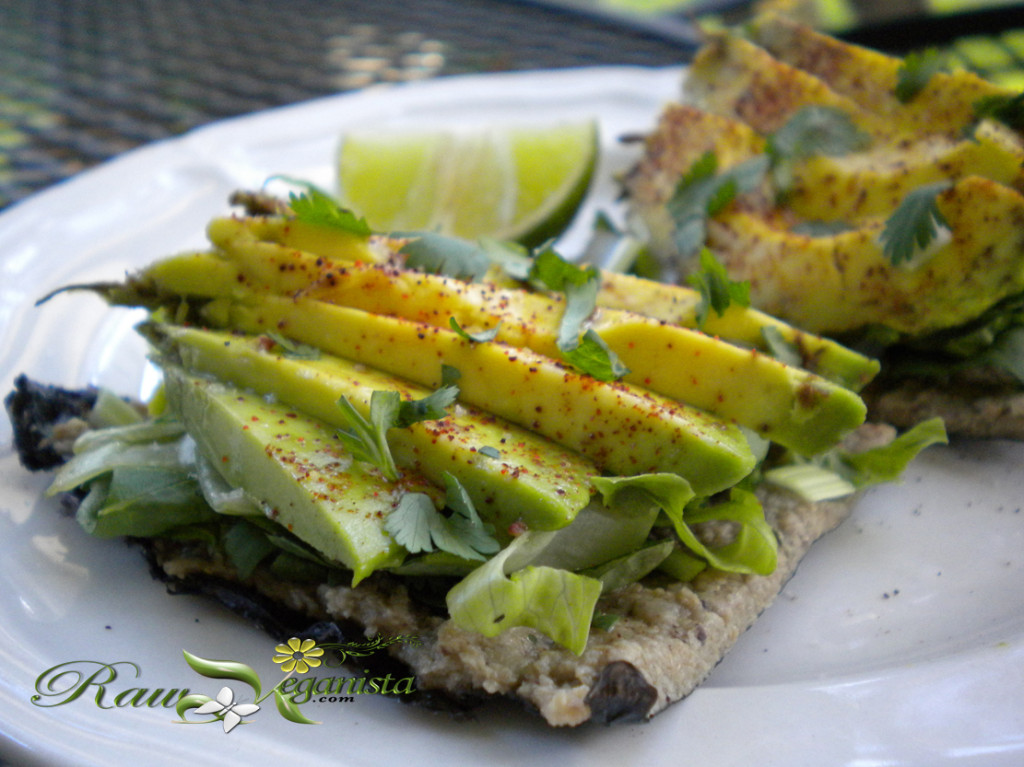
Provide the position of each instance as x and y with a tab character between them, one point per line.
584	350
366	438
916	71
811	131
914	224
703	192
1008	110
442	254
717	290
481	336
318	207
417	524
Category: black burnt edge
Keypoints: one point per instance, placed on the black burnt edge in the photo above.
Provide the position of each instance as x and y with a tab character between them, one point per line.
34	409
620	694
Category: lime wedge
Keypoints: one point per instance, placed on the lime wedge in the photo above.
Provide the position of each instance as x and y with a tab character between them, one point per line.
510	183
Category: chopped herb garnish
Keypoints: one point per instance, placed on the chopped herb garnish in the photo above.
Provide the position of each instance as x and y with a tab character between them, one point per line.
490	452
448	256
449	375
366	438
593	357
418	526
1008	110
703	192
604	621
810	132
717	290
821	228
513	258
315	206
480	337
429	408
293	349
780	348
917	71
587	352
914	224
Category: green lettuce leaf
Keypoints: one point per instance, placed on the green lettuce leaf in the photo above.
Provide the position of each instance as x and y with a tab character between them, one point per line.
555	602
887	463
840	473
753	549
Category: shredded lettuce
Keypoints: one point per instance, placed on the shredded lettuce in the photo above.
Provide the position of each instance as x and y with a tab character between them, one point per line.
840	473
106	457
532	582
811	482
499	595
887	463
111	410
627	570
753	549
142	501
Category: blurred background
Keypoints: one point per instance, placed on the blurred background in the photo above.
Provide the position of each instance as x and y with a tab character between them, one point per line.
84	80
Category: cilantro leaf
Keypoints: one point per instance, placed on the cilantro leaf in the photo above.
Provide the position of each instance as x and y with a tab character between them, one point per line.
1008	110
917	70
780	348
914	224
448	256
552	272
450	375
314	206
811	131
816	130
410	521
593	356
430	408
293	349
511	257
703	193
580	286
480	337
589	354
717	290
418	526
366	438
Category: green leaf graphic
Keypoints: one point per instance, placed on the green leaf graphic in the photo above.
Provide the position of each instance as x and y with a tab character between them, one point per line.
189	702
224	669
289	709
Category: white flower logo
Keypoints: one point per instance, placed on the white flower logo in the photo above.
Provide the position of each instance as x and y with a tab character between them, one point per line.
231	712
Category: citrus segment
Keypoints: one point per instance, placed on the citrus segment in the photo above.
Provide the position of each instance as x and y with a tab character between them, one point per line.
514	183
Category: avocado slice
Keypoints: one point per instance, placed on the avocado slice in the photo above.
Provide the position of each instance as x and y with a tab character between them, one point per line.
296	468
785	404
512	475
623	429
739	324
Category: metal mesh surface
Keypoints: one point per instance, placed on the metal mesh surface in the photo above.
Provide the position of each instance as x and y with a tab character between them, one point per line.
84	80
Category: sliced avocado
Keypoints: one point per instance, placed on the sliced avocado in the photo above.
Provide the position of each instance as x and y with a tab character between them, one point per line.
870	78
788	405
511	474
740	324
289	240
623	429
296	468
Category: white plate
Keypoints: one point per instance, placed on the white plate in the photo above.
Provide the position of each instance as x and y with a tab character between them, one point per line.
900	641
